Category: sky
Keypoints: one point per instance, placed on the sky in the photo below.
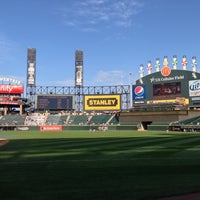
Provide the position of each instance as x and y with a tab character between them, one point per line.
116	37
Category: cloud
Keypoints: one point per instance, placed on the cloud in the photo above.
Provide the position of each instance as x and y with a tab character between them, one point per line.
101	78
115	77
57	83
89	14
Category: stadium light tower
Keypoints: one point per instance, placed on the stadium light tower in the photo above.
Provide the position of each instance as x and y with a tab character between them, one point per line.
31	73
79	79
78	68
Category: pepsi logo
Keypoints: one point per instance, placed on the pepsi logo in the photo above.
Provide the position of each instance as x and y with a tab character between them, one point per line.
139	91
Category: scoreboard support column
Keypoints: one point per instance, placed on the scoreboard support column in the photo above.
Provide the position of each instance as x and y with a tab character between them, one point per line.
21	109
5	110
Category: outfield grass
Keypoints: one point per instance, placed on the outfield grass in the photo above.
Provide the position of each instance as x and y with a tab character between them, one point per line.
119	165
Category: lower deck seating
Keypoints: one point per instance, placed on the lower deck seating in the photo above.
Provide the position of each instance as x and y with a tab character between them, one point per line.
35	120
100	119
78	119
12	120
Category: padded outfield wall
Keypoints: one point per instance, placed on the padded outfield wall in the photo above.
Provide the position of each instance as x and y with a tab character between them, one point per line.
74	127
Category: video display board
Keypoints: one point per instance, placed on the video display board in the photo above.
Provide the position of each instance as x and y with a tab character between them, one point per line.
55	102
167	90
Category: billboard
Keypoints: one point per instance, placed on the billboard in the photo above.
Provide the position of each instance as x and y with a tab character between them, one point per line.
102	102
194	88
79	68
177	100
31	74
10	100
51	128
54	102
139	92
31	67
11	89
10	103
79	76
167	86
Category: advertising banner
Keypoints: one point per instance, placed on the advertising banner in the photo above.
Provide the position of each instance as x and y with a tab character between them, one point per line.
10	103
50	128
31	74
102	102
181	101
11	89
79	76
194	88
139	92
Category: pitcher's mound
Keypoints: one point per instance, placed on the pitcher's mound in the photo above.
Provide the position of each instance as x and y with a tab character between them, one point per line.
3	141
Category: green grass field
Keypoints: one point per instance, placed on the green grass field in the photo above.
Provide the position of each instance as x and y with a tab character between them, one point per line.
118	165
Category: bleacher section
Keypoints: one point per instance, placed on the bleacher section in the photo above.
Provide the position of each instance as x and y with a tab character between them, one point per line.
12	120
192	120
62	120
84	120
100	119
196	121
113	120
56	120
38	119
53	120
35	120
78	119
188	125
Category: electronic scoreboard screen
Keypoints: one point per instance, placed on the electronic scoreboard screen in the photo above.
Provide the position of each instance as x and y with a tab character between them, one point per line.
167	90
54	102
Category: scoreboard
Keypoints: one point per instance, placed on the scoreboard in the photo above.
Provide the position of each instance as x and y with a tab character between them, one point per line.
179	87
54	102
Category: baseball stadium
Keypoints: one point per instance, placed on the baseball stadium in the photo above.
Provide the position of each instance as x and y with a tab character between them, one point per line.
137	141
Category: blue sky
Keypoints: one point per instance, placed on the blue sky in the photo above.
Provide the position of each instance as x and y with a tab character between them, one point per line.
115	35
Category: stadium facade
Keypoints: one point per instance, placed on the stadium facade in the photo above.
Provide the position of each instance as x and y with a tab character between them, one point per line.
165	94
168	94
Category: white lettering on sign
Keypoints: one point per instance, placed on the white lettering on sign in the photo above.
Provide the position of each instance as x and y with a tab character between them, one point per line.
6	88
163	79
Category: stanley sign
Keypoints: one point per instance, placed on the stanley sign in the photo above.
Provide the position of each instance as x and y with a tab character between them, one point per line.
103	102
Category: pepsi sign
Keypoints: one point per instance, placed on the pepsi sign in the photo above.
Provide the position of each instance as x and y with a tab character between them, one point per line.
139	92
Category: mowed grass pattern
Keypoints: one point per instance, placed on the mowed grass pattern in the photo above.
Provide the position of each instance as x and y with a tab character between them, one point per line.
98	165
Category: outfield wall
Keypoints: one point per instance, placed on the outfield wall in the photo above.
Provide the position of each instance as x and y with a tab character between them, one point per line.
152	126
156	127
65	128
118	127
